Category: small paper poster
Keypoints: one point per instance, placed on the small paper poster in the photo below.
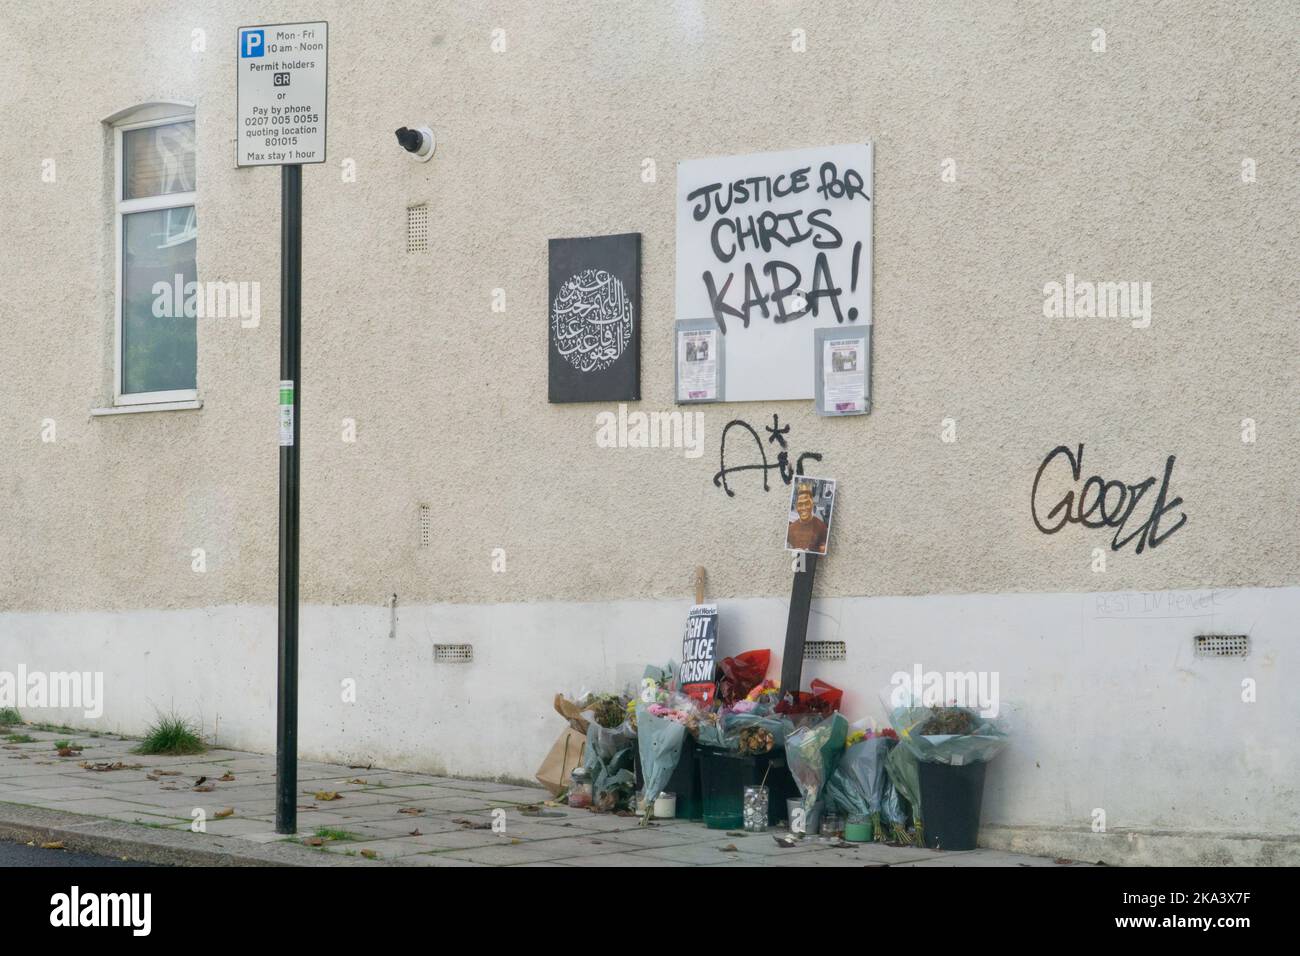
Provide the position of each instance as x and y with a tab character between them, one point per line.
699	361
699	653
843	371
844	376
697	365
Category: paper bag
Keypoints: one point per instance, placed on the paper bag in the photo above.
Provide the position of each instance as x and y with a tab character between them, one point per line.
564	756
571	712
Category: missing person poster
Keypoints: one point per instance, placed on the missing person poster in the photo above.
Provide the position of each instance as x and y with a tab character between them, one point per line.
699	653
697	365
844	375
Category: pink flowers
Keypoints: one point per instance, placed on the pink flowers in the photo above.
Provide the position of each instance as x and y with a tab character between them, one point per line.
659	710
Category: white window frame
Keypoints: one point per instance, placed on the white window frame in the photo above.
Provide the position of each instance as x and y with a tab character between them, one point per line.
124	207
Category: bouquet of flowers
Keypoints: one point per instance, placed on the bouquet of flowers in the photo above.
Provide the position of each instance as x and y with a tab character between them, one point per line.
948	734
660	744
813	752
821	702
610	752
741	674
905	785
857	787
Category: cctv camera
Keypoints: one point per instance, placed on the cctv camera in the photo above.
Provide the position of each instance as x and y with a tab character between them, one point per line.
418	142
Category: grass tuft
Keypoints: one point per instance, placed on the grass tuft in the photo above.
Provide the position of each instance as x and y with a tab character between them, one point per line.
171	735
9	717
337	836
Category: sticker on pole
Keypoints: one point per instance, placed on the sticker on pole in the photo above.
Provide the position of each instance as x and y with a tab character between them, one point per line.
281	94
286	413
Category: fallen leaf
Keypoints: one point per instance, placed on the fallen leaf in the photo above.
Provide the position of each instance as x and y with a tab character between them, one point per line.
357	781
226	777
370	854
104	765
206	788
415	832
222	814
327	795
729	848
67	751
410	810
1061	859
168	773
471	824
312	841
55	845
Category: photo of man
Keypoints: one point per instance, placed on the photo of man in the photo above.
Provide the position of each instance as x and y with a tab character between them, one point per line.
811	502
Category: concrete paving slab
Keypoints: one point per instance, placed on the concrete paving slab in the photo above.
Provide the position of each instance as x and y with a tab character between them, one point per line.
988	858
537	851
431	859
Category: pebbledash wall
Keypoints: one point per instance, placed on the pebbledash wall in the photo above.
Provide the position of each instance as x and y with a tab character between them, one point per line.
1014	146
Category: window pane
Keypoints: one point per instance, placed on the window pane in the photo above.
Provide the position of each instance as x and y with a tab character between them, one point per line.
159	344
158	160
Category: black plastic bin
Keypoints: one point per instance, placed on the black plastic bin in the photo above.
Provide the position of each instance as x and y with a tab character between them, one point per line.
950	804
685	782
724	775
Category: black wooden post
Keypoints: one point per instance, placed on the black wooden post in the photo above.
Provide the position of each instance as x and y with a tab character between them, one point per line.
796	627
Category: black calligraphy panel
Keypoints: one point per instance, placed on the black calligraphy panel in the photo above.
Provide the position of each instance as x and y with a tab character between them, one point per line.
594	319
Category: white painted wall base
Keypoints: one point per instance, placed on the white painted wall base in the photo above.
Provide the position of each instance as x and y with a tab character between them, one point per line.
1110	708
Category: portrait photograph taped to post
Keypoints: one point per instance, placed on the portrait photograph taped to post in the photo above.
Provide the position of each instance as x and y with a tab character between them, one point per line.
812	500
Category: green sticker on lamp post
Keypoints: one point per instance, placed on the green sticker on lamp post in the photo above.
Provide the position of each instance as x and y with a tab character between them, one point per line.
286	413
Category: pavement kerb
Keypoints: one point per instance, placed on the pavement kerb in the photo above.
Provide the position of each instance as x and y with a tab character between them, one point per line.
104	837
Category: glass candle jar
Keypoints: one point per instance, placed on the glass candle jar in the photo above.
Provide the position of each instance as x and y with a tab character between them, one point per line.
580	788
857	829
833	826
754	809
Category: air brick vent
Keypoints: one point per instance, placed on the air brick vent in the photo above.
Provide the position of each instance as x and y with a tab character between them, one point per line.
417	228
824	651
1222	645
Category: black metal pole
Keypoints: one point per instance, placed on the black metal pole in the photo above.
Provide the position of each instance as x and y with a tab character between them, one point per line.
286	715
796	627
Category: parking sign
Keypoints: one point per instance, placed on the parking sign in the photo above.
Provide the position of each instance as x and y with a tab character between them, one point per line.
282	94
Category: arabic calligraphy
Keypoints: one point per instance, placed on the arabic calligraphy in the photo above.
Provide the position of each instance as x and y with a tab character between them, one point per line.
591	320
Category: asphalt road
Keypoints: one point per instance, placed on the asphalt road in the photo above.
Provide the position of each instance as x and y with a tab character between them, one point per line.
20	854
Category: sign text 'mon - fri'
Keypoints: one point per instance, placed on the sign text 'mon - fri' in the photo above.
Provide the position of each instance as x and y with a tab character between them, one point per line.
281	92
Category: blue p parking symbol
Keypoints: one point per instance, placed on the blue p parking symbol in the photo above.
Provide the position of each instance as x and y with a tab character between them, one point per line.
252	43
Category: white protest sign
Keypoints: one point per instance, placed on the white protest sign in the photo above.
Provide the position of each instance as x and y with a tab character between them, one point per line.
282	69
771	246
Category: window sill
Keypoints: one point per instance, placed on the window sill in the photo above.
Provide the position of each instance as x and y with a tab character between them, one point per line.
156	407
